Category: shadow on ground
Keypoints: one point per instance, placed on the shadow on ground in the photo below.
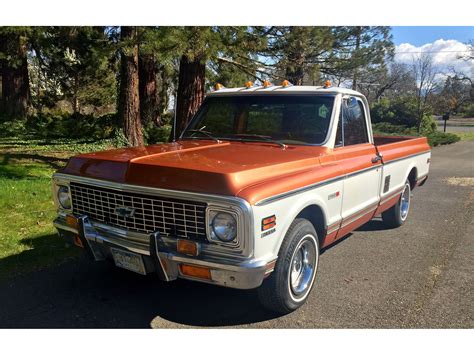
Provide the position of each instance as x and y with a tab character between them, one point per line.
53	162
375	224
45	250
84	294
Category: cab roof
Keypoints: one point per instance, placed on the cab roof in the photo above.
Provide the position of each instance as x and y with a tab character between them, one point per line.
278	89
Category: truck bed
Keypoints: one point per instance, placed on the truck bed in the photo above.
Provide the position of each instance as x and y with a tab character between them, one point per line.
396	147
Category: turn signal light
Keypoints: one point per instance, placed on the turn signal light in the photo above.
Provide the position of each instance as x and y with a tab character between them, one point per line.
195	271
266	84
78	241
71	221
187	247
248	84
268	222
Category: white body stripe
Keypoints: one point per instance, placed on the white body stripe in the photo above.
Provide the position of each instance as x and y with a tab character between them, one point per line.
287	209
359	191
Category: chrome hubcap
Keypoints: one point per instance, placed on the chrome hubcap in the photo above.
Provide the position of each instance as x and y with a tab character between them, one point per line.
303	266
405	202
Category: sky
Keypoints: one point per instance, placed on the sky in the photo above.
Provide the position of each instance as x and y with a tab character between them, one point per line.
445	44
419	35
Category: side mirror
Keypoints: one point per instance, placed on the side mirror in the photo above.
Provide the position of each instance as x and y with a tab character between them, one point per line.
352	101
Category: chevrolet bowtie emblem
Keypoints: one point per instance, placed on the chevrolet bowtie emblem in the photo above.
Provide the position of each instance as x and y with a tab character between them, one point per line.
124	212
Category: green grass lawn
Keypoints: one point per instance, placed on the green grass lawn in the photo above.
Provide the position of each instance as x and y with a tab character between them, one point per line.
28	239
465	136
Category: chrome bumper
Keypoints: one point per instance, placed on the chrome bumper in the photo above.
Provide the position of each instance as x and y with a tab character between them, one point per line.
160	255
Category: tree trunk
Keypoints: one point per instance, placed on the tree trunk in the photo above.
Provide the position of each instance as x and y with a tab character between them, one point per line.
15	79
129	98
149	99
190	90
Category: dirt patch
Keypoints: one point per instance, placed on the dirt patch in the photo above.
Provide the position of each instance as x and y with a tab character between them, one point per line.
460	181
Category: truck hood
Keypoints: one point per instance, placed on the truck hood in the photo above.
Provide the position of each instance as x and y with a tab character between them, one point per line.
197	166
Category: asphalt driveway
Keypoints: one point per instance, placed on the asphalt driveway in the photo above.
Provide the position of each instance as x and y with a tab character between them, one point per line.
418	276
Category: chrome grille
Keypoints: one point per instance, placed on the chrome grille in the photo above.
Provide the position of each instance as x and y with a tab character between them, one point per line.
172	217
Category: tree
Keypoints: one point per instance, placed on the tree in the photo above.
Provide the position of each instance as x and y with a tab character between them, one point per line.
357	49
295	53
80	60
14	71
199	46
454	95
389	80
304	55
302	49
129	97
424	74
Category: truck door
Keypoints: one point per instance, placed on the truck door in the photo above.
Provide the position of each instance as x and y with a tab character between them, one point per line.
362	166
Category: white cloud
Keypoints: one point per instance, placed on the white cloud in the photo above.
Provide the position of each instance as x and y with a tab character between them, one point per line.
445	55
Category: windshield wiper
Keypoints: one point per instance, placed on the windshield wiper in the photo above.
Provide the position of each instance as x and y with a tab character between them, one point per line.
206	133
261	137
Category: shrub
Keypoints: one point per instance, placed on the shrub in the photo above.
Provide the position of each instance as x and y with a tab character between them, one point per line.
399	111
428	125
386	128
12	128
72	126
435	138
440	138
154	134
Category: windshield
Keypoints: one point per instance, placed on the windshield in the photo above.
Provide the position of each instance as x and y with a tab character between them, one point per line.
288	119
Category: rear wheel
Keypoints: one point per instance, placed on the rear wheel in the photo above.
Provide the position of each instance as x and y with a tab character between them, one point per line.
288	287
398	214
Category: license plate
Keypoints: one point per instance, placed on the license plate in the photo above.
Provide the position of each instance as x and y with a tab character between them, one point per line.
129	261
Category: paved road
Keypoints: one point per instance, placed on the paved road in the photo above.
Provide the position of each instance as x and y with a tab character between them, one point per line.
418	276
456	126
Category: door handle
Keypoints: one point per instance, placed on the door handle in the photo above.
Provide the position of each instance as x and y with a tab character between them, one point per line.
376	159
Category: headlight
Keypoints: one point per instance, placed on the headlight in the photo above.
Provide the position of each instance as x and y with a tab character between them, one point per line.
63	197
224	226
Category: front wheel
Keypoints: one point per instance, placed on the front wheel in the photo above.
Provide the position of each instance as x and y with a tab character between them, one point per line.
288	287
396	215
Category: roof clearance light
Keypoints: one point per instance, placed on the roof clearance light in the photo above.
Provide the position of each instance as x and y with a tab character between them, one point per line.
286	83
267	84
218	86
248	84
327	84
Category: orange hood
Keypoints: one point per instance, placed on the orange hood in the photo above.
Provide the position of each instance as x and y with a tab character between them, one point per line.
197	166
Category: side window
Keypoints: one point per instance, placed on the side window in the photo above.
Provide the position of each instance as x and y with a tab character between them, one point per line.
354	123
339	142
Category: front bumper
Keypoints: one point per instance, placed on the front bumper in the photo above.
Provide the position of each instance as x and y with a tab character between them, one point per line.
160	255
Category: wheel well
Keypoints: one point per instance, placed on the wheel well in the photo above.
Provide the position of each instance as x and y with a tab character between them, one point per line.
315	215
412	178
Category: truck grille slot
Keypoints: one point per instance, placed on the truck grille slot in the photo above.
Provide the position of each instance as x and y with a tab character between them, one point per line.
171	217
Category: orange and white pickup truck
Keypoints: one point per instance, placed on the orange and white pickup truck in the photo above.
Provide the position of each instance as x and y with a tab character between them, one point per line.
259	182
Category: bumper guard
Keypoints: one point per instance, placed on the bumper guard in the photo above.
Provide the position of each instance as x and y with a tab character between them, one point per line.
158	257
